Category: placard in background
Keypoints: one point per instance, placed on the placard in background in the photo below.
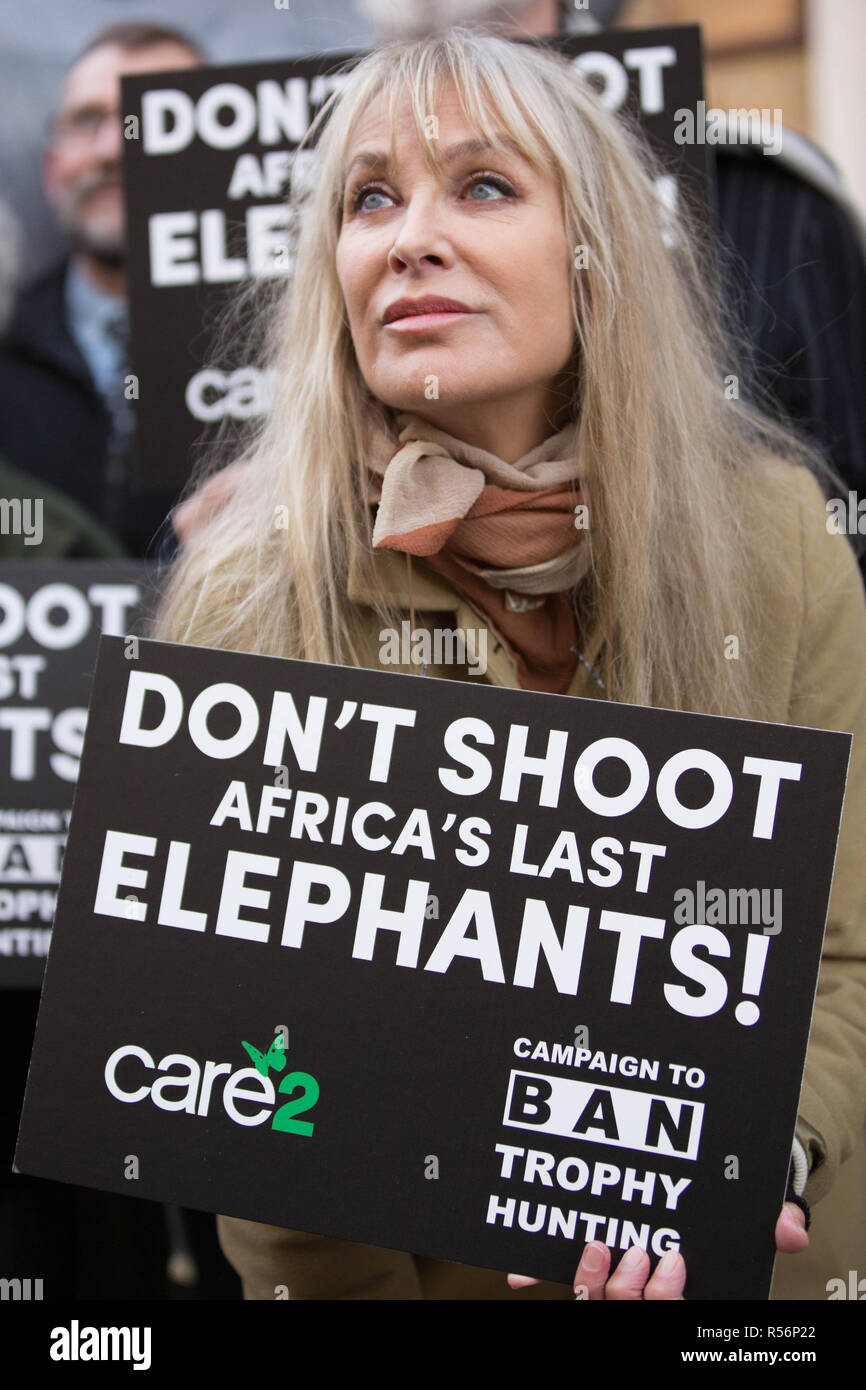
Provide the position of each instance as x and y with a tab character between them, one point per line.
51	615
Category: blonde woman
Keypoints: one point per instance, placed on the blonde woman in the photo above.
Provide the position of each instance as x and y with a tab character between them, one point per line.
489	337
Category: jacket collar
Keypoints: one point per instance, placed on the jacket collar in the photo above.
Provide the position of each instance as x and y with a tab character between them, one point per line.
428	592
424	590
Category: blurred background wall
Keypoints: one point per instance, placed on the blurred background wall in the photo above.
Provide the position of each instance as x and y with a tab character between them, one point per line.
837	48
803	56
755	50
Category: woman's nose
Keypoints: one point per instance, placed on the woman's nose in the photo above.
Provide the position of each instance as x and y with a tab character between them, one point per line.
422	231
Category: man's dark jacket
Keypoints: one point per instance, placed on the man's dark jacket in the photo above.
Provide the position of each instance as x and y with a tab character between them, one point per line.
54	424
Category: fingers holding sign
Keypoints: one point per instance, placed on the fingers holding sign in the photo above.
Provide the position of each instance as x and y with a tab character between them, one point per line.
791	1235
629	1280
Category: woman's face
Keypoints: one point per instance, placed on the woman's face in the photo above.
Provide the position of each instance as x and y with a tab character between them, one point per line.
487	233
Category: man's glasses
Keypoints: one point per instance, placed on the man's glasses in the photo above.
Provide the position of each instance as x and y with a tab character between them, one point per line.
83	125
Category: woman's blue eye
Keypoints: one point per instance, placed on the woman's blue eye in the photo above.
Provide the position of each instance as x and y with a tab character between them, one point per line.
502	188
363	196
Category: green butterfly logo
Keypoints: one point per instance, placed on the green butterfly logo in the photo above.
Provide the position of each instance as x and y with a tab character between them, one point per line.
274	1057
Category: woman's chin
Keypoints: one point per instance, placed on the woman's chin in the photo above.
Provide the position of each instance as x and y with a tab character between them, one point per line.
432	397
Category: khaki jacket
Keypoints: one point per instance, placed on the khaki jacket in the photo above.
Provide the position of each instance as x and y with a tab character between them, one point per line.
811	650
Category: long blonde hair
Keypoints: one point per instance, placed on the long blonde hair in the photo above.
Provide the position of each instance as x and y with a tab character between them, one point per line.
668	459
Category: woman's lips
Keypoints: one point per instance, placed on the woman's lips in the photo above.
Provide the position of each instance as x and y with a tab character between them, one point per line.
413	322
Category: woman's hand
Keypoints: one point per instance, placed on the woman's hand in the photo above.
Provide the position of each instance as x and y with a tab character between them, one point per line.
669	1277
630	1279
193	514
791	1235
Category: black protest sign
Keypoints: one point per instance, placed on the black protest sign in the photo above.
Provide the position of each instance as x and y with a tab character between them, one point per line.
208	160
51	615
416	963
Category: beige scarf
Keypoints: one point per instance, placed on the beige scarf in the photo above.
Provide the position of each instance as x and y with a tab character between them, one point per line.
503	534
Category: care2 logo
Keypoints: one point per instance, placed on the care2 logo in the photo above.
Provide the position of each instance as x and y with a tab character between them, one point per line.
276	1057
184	1084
